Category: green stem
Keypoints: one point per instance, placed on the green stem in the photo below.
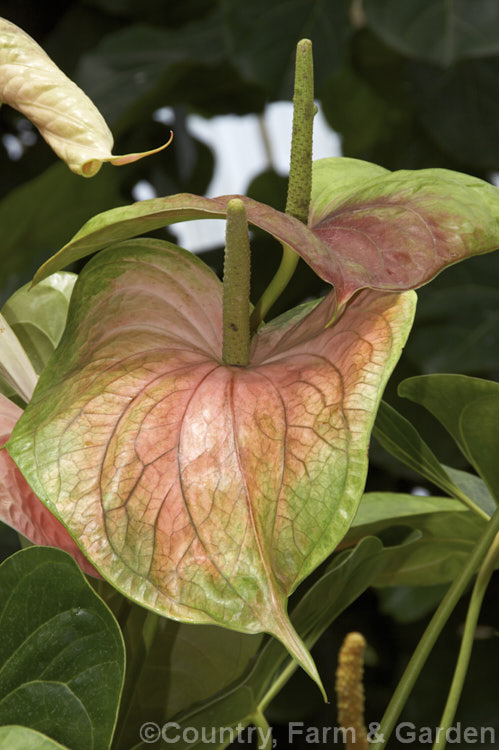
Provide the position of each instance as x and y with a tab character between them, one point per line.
479	589
433	630
137	649
300	174
236	287
264	734
278	684
454	491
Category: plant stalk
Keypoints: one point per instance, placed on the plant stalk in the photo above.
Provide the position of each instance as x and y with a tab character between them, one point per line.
259	721
479	589
300	174
432	632
236	287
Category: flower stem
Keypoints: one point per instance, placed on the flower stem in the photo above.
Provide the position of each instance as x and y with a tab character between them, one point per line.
432	632
479	589
300	174
265	733
236	286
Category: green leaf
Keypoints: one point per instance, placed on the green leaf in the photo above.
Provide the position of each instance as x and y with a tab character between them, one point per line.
439	535
358	132
334	179
37	315
205	484
22	738
401	439
410	603
479	425
61	651
437	30
140	62
473	487
457	325
345	578
263	37
38	216
183	665
467	408
458	108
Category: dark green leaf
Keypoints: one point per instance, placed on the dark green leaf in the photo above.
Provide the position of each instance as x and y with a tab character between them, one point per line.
345	101
438	535
474	487
140	62
459	108
437	30
264	37
457	321
38	216
467	408
398	436
61	651
184	664
410	603
479	425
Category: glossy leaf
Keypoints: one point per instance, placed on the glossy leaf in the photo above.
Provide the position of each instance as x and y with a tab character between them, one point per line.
441	533
37	315
346	577
401	439
62	112
183	665
205	492
23	738
62	657
19	506
468	408
436	30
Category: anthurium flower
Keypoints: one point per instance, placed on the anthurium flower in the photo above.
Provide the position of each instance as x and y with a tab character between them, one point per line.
20	507
66	118
208	492
203	491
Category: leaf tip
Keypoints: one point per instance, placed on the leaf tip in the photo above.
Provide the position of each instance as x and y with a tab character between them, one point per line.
288	636
90	167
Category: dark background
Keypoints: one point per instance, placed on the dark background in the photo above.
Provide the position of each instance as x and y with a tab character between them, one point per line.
407	84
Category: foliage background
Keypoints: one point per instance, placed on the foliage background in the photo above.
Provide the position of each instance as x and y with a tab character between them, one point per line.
407	85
